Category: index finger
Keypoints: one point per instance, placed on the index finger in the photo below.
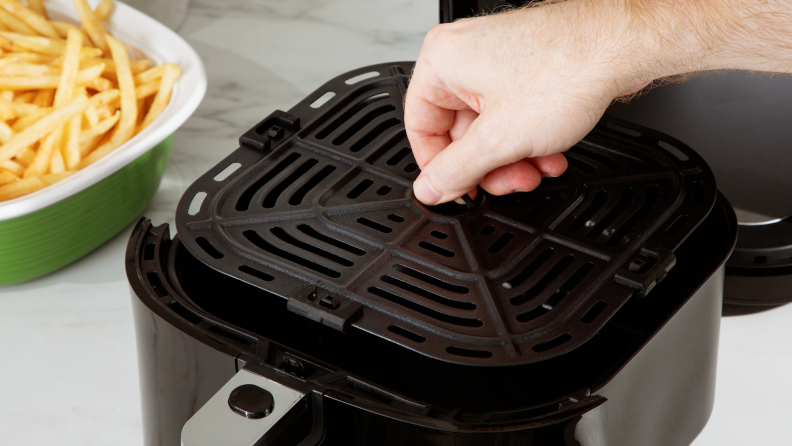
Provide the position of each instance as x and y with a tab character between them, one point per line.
429	113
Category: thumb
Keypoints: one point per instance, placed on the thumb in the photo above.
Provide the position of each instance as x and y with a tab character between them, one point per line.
460	166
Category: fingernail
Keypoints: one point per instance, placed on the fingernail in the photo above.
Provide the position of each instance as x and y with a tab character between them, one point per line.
425	192
547	175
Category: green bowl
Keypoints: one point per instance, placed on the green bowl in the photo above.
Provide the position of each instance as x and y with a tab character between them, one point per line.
43	241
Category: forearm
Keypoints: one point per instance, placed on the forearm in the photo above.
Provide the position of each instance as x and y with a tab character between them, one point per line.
680	36
630	43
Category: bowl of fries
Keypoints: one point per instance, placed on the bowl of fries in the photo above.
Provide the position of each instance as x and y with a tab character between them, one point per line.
91	93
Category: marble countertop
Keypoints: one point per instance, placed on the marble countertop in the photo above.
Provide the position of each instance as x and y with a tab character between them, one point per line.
68	373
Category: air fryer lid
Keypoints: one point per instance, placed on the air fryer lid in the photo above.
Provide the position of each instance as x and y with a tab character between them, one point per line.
316	207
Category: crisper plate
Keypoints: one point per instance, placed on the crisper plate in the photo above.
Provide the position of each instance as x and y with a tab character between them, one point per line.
316	206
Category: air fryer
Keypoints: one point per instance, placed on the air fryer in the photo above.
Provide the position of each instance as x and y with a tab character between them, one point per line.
309	298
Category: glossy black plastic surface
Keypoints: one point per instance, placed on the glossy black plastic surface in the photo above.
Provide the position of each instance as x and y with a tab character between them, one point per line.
179	368
320	212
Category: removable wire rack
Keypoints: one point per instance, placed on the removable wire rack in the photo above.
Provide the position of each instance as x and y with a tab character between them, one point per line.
316	206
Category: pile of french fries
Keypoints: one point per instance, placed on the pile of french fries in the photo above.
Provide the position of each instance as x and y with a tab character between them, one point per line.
69	94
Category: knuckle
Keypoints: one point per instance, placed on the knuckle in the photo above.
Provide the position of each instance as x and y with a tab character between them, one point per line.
496	146
437	34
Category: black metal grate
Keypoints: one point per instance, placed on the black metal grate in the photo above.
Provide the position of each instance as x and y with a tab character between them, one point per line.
321	213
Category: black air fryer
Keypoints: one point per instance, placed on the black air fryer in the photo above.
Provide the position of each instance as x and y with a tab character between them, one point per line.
310	299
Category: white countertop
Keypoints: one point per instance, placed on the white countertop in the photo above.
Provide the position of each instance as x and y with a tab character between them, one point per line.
68	373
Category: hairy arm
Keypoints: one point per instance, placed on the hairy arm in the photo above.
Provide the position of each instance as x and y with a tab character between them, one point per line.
494	100
699	36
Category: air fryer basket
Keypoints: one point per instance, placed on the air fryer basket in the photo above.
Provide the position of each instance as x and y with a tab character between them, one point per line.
305	266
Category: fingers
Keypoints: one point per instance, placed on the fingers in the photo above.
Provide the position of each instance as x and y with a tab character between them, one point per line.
518	176
430	114
462	121
434	118
426	146
459	167
523	175
457	148
551	165
454	164
427	128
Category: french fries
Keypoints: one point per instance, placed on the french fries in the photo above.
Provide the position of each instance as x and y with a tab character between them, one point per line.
63	28
43	127
104	9
13	23
37	6
19	188
6	133
13	167
69	94
7	177
46	82
162	98
31	19
92	25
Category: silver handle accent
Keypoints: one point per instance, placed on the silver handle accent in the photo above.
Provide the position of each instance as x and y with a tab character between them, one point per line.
217	424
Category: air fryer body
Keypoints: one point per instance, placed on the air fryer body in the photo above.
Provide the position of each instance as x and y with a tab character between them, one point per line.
663	395
179	371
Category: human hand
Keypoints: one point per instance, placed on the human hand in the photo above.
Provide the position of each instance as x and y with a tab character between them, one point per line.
494	100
